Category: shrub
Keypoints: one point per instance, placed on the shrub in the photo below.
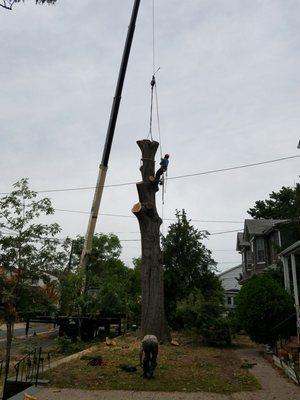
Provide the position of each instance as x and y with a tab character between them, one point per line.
233	322
206	317
66	346
216	334
263	307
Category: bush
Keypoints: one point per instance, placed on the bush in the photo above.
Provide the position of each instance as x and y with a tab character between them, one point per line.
262	307
216	334
206	317
233	322
66	346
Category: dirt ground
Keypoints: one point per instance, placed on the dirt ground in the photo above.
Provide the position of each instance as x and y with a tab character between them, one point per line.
273	387
190	367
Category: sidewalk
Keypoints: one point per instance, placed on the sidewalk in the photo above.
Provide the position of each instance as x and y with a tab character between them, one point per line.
19	325
274	387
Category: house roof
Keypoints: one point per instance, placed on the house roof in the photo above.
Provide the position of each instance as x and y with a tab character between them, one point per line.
241	241
260	226
230	269
293	249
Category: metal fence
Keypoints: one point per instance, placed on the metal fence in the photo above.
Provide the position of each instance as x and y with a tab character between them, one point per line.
30	366
27	372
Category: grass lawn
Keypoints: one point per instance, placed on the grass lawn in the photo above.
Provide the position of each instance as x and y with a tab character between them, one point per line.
190	367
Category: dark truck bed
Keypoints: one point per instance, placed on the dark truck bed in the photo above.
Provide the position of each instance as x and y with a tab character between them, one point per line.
88	327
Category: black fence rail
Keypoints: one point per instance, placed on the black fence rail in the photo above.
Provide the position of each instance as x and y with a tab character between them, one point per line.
27	372
29	367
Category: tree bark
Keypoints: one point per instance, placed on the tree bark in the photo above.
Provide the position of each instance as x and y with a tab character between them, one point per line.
153	313
9	337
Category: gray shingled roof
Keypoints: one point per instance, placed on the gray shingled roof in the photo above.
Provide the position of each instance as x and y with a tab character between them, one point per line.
259	226
240	241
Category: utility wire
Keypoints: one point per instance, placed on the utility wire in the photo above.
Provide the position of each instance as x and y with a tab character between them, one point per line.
214	171
221	233
166	219
122	240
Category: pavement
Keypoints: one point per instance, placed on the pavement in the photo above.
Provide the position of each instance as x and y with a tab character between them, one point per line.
19	330
274	387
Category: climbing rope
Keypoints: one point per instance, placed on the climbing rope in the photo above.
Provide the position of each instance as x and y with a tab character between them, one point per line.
158	121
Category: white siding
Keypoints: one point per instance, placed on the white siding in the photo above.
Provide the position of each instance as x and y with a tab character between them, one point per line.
231	285
228	278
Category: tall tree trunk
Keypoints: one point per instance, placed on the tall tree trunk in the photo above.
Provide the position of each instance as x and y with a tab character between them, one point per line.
153	312
9	337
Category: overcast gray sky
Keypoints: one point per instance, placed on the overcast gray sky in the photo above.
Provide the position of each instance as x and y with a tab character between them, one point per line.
228	95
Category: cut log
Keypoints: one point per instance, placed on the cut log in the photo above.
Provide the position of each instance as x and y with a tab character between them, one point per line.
153	313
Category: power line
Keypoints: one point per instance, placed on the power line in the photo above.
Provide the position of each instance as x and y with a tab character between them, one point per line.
214	171
121	240
130	216
221	233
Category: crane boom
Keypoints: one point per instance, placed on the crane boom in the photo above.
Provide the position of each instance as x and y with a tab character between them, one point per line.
87	248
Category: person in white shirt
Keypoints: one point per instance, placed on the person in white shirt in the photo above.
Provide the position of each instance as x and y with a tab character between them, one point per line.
148	355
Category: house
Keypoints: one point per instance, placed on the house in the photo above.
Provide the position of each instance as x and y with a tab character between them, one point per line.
44	280
290	258
261	242
229	280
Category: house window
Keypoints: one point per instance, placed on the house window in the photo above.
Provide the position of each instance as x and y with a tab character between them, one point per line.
274	245
229	300
249	257
260	250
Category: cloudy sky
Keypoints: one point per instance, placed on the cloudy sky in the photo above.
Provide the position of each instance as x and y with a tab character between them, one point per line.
228	95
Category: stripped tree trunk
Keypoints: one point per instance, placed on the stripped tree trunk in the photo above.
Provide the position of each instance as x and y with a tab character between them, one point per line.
153	312
9	338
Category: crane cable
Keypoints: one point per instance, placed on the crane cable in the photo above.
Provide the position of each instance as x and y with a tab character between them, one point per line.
154	88
153	84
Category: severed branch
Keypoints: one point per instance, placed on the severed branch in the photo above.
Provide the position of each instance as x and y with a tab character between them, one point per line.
8	7
5	6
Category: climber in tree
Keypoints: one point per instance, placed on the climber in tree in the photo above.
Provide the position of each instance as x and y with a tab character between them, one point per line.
163	168
149	348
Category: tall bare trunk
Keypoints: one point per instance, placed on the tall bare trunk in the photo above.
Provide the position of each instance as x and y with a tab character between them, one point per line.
9	337
153	312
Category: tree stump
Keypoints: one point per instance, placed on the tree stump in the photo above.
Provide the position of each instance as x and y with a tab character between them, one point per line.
153	312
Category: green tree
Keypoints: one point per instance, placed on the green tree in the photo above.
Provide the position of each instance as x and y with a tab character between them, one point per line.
106	250
284	204
262	307
188	266
70	302
28	248
7	4
112	287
